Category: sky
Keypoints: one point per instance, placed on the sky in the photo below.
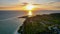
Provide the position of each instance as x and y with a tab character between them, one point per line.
8	3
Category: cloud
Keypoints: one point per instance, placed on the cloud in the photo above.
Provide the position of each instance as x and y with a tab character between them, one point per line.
46	6
11	8
53	5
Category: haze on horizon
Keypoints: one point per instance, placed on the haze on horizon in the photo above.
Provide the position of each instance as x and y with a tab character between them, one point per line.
18	4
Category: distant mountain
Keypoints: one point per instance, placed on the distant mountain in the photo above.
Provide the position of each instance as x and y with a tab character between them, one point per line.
39	24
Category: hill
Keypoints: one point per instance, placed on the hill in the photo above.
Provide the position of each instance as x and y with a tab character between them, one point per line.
40	24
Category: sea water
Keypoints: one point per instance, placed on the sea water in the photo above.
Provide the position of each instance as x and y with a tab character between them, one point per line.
10	23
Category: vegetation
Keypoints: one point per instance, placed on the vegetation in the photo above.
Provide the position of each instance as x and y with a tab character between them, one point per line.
39	24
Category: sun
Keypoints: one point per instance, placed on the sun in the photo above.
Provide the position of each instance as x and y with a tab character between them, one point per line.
30	7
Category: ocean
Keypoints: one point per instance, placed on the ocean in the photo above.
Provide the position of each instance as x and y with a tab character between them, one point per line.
10	23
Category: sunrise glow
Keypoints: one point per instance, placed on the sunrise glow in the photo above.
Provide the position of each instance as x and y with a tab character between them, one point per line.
30	7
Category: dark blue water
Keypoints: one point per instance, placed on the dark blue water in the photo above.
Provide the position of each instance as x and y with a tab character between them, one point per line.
9	22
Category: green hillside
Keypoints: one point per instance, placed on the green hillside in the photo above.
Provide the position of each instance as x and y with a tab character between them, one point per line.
39	24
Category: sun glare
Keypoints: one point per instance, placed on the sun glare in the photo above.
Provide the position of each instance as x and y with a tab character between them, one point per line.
30	7
29	13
